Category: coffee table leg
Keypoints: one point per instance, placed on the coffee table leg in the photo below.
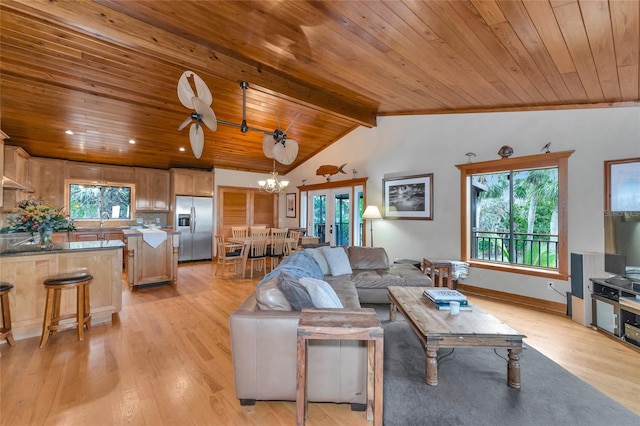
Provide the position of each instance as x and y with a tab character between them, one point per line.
392	311
513	368
432	365
301	382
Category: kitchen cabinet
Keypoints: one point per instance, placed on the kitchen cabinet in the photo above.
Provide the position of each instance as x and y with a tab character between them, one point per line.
98	173
15	167
152	189
97	235
46	178
192	182
150	265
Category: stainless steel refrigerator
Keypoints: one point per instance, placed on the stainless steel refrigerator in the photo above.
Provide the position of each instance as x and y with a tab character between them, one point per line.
194	221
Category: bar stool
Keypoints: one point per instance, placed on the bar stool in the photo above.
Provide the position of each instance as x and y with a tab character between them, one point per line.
54	286
5	331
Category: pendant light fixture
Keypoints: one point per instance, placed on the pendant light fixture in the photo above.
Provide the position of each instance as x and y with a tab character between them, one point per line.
272	184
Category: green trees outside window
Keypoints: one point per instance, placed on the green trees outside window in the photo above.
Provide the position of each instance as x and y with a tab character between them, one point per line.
515	217
94	201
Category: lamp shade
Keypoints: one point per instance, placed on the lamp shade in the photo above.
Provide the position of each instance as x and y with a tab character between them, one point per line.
371	212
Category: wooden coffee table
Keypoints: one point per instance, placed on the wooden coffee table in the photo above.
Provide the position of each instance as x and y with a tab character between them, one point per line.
438	329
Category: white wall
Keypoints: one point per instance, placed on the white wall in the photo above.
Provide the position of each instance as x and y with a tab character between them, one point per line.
408	145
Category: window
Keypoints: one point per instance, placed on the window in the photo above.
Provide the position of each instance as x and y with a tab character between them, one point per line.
92	201
514	214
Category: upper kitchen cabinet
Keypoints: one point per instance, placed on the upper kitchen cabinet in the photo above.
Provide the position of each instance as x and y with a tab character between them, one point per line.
98	173
15	177
46	178
152	189
192	182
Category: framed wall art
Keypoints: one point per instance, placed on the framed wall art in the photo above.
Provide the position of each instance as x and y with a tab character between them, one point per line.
291	205
408	197
622	185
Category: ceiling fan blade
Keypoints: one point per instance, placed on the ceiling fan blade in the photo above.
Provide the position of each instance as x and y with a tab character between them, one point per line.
286	153
196	137
185	92
207	115
268	143
291	124
184	123
204	94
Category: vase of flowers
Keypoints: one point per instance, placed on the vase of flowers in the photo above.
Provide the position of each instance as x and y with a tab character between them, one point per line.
38	216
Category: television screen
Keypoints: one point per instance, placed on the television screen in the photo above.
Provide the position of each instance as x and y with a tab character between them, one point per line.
622	243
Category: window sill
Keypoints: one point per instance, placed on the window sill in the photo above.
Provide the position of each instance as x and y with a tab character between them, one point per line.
523	270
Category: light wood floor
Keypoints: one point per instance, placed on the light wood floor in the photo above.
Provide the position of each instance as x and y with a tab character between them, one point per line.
166	360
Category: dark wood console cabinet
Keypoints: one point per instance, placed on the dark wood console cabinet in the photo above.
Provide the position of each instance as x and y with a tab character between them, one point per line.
616	309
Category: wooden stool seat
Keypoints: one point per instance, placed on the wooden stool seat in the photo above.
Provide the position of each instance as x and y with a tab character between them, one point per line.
5	331
54	286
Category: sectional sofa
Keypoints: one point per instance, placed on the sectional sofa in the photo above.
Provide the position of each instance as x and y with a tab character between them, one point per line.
263	329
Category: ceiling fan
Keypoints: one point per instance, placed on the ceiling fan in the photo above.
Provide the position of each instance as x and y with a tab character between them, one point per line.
274	144
277	146
200	102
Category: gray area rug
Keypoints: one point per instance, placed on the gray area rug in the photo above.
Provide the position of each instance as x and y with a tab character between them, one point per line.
472	388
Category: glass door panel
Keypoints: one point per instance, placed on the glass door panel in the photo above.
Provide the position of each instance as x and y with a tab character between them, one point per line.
330	216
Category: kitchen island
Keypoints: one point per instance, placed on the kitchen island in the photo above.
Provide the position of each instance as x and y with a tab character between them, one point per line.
152	256
27	266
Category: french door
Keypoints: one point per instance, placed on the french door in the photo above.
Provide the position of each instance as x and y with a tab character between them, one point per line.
332	217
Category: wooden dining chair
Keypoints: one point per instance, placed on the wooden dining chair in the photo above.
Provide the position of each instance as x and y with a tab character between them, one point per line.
239	231
257	228
291	242
229	255
258	250
276	250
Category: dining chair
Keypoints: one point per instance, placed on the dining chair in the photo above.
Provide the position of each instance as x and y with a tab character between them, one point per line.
258	250
276	250
239	231
257	228
229	255
291	242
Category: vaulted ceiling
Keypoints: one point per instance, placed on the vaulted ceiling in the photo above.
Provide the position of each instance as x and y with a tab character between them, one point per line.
108	69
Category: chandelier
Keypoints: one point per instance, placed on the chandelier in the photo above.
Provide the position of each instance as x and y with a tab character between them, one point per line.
272	184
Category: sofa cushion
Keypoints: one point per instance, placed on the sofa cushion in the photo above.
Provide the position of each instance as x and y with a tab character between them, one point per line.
296	294
338	260
322	294
346	291
270	297
368	258
318	255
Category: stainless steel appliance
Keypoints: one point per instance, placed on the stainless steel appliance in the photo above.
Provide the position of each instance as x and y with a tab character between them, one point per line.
194	221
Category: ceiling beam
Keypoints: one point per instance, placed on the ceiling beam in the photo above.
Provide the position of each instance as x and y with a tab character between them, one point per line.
117	28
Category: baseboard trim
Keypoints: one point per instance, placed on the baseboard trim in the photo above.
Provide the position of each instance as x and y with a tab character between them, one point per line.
532	302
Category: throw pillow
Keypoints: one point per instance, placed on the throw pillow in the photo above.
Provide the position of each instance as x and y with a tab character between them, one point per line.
318	255
337	260
269	297
321	292
296	294
368	258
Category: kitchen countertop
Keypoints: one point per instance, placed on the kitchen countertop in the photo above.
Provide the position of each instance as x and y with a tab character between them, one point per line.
35	249
136	232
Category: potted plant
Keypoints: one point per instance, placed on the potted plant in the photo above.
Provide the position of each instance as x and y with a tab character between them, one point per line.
36	216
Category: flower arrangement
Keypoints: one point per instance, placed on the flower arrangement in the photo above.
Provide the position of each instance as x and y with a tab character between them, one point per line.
36	215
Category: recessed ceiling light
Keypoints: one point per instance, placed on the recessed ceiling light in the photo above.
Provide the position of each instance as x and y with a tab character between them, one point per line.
69	132
132	141
182	149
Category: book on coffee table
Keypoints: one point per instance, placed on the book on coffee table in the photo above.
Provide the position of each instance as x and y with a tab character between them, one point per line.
445	295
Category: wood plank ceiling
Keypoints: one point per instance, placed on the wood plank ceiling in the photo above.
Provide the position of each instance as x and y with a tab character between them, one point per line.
108	69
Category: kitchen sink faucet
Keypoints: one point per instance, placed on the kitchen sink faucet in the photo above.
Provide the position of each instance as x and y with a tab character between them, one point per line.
103	216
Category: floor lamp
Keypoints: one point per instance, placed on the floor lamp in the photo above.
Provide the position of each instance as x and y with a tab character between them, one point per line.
371	212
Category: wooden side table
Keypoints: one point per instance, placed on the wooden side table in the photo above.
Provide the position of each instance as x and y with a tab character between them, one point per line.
342	324
439	271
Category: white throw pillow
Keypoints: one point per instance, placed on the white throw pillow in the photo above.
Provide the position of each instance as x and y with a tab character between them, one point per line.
338	260
318	255
321	292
